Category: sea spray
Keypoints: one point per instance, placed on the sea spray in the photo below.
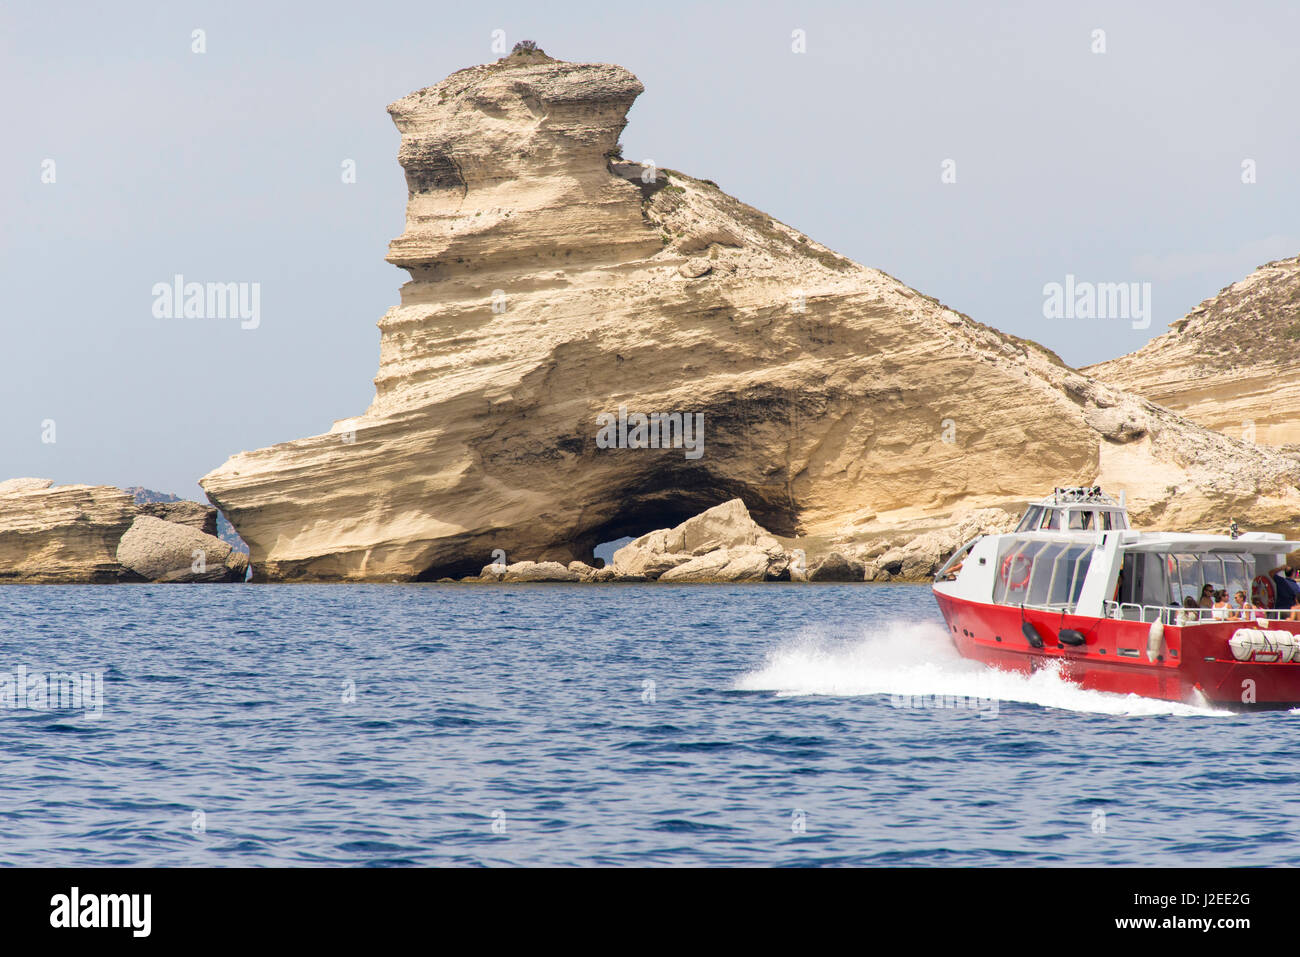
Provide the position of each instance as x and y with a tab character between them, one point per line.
908	660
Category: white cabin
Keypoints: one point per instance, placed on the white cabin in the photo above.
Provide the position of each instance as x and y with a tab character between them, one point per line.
1074	552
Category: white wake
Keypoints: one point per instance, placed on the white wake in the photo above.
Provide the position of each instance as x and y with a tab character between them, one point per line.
918	658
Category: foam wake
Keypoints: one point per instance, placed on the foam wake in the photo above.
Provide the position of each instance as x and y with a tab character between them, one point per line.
917	658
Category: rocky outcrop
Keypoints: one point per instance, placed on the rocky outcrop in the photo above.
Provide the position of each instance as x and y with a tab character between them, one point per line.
917	558
835	566
172	508
67	534
77	534
202	518
159	551
723	543
1232	363
558	296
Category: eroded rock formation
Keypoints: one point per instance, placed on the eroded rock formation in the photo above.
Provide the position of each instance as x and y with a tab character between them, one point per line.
1232	363
723	543
196	516
65	534
554	287
94	534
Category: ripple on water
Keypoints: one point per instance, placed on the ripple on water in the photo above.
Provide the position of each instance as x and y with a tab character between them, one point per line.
392	726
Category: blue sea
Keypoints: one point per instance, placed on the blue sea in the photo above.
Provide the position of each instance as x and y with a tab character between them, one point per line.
643	725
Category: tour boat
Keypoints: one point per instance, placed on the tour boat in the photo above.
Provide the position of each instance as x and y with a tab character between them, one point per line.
1074	589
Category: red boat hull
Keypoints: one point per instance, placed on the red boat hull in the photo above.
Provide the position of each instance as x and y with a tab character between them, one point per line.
1195	665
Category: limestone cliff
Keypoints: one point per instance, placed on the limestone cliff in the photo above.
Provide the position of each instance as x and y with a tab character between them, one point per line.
96	534
1232	363
552	283
67	534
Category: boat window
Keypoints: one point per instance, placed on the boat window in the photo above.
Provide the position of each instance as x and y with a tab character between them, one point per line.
1015	569
1069	569
1051	520
1080	557
1031	519
1238	570
1186	578
1189	573
1085	520
1043	574
1127	585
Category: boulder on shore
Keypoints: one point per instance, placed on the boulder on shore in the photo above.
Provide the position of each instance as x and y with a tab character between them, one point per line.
539	572
722	543
201	517
744	563
835	567
161	551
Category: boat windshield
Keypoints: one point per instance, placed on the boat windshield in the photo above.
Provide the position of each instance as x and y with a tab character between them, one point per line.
1086	519
1040	573
1047	518
1029	521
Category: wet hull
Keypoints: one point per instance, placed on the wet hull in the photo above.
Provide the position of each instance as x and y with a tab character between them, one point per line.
1193	665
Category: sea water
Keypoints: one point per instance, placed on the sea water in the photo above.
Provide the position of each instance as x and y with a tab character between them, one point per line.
594	725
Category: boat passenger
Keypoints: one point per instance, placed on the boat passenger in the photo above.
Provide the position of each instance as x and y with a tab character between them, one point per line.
1191	612
1292	580
1207	596
1222	610
1243	610
1285	587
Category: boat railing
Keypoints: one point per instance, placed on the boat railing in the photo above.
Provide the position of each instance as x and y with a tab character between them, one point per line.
1184	617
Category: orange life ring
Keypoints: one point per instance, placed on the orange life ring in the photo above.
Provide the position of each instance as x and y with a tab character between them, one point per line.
1261	591
1007	564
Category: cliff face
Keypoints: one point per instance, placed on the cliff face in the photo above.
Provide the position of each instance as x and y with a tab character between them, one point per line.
67	534
1232	363
552	284
97	534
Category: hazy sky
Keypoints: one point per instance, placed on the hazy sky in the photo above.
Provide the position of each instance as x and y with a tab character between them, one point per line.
225	166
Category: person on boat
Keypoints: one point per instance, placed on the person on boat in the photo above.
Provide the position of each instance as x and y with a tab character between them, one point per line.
1291	579
1243	610
1286	590
1207	596
1222	610
1191	611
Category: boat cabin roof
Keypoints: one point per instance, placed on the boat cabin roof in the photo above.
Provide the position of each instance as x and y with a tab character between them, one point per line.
1191	543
